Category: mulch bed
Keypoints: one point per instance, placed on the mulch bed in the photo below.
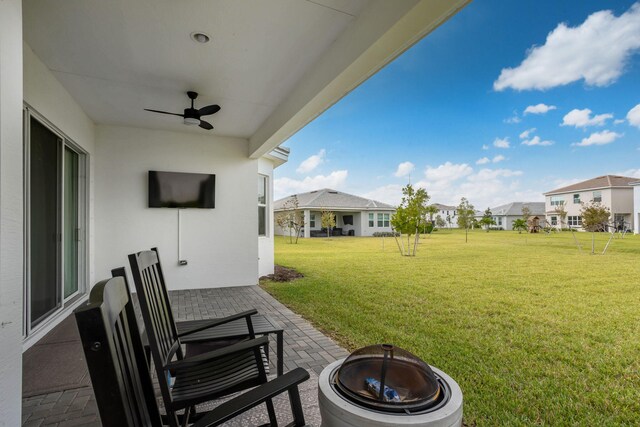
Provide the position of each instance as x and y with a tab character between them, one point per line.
283	274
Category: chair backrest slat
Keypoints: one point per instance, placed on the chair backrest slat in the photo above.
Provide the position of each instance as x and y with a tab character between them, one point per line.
156	312
115	357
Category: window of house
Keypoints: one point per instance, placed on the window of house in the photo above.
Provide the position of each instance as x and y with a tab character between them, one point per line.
56	192
557	201
574	221
554	220
383	220
498	220
597	196
262	205
371	224
576	199
312	220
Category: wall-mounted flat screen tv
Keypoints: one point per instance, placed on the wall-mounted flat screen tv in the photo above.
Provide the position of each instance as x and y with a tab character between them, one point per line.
181	190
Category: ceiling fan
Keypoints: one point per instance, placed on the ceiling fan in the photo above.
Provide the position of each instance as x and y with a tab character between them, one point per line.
191	115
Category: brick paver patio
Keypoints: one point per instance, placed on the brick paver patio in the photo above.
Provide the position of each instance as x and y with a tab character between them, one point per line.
304	346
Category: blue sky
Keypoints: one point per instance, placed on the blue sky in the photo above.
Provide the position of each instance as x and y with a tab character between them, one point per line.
506	100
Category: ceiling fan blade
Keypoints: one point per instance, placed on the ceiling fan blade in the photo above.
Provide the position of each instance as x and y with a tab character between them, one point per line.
205	125
209	109
164	112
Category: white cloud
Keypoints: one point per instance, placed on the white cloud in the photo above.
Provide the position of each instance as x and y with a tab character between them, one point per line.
498	158
513	119
582	118
485	147
539	109
391	194
634	173
634	116
447	172
598	138
526	133
286	186
536	141
483	161
449	182
489	174
311	162
501	142
596	51
618	121
404	169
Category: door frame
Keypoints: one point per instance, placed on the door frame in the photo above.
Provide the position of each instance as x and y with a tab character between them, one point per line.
32	333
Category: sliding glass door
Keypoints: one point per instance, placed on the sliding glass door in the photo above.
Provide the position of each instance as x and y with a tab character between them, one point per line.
56	196
43	225
71	229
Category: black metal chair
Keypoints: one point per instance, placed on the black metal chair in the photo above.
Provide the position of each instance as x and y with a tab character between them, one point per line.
186	382
121	380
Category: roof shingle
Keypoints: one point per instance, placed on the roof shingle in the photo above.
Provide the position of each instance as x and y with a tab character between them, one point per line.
332	199
605	181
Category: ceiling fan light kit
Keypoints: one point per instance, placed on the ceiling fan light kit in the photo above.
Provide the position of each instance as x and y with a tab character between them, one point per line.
191	115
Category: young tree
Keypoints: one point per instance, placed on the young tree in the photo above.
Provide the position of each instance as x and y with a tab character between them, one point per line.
487	219
409	217
291	218
562	213
520	225
595	217
440	222
466	213
431	210
328	221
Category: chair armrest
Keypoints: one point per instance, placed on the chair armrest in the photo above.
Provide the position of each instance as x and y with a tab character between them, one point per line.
253	398
216	354
220	321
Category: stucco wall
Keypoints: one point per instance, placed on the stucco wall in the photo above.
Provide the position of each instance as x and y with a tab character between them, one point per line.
618	200
45	95
11	212
368	231
265	243
220	245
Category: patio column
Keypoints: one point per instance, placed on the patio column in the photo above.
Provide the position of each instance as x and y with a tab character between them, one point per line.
307	219
11	212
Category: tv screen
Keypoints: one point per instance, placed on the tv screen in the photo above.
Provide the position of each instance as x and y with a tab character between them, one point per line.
181	190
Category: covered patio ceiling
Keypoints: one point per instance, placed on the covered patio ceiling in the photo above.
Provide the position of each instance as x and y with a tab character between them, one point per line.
273	66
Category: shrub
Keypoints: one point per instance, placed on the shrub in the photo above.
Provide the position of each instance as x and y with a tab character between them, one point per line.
386	234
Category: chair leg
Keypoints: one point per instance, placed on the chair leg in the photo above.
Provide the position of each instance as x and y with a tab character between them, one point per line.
170	419
272	413
296	407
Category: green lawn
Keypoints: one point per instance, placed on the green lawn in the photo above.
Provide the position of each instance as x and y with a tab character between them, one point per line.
535	332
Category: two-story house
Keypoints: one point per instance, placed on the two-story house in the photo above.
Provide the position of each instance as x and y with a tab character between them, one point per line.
614	192
447	213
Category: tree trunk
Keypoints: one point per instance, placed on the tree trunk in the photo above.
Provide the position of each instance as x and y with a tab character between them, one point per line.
415	243
398	243
466	234
593	242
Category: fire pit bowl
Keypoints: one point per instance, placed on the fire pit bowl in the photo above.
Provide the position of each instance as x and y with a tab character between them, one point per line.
383	385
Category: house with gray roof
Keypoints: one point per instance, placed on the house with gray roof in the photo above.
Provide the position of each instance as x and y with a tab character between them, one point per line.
612	191
504	215
355	215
